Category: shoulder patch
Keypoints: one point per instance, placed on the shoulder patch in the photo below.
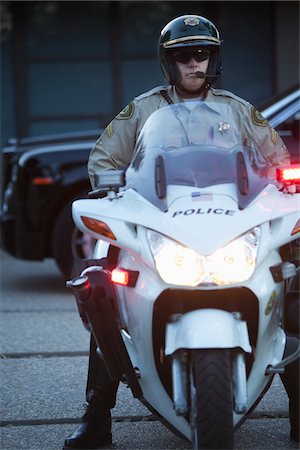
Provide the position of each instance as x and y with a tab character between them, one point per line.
258	118
273	136
109	130
127	112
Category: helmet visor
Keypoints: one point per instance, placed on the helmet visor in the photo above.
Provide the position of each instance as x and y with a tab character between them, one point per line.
184	56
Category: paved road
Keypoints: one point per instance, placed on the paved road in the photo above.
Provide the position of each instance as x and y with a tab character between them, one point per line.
43	372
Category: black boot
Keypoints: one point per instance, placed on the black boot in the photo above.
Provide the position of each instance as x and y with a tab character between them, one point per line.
95	428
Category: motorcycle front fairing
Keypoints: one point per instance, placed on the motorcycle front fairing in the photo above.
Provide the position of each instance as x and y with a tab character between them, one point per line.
201	222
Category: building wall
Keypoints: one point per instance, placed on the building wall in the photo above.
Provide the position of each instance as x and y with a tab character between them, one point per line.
287	39
73	65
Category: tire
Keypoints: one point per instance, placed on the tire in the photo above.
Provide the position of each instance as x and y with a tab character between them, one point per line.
82	245
68	243
82	248
211	402
61	241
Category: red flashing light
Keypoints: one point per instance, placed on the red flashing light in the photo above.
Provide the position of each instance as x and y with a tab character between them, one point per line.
288	174
124	277
120	276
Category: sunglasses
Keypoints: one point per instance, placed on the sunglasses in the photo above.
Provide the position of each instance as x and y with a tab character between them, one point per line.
185	56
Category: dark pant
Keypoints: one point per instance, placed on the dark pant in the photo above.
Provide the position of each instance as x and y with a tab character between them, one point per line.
99	379
291	381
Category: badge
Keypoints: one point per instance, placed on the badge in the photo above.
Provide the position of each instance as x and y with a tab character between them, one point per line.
258	118
127	112
223	127
192	21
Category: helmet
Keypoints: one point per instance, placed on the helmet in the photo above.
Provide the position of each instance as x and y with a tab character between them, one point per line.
188	31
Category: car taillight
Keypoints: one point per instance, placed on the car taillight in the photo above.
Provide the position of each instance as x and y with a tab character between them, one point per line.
43	181
288	174
124	277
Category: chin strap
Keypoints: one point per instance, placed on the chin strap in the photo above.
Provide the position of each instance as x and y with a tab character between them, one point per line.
167	97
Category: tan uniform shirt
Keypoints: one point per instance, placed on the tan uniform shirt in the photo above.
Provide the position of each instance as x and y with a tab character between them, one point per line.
115	146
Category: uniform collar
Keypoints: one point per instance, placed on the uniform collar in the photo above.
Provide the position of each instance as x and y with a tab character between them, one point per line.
208	100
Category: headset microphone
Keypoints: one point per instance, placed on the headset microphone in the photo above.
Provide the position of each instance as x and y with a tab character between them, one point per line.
200	74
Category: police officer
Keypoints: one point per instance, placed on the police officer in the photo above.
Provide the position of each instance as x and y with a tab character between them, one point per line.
190	59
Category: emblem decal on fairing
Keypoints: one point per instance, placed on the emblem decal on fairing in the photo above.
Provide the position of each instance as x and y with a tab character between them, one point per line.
270	303
199	196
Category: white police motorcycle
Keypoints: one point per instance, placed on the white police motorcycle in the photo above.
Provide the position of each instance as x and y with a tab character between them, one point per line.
191	304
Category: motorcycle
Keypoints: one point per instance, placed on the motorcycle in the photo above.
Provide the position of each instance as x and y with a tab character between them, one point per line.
189	294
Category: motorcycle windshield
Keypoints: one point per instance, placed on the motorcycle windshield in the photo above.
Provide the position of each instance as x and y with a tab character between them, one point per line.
197	144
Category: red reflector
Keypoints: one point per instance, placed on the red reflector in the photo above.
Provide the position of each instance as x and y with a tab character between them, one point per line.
124	277
120	276
42	181
288	174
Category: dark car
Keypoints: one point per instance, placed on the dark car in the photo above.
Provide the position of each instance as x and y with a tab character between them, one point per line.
43	176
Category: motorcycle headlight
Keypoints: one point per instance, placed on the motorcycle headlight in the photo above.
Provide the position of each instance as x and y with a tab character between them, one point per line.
236	261
175	263
182	266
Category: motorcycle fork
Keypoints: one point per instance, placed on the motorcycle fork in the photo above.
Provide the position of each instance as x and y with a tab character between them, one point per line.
239	382
180	382
180	379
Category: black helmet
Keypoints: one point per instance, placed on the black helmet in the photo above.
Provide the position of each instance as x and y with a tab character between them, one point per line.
189	31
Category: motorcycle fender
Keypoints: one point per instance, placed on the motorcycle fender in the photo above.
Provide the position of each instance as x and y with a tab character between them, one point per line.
206	328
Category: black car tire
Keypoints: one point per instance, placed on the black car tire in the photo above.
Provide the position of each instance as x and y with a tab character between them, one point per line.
62	241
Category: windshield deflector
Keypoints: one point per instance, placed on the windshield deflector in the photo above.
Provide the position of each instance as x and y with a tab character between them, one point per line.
201	147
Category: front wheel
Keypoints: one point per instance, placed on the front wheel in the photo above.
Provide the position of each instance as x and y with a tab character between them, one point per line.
211	402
